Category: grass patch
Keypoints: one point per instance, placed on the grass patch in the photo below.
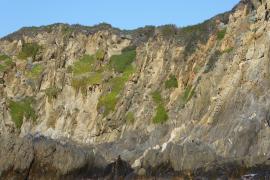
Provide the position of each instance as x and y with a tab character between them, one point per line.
161	115
35	71
156	96
84	65
171	82
119	63
52	92
81	83
5	63
29	50
228	50
107	102
21	109
100	54
221	34
168	31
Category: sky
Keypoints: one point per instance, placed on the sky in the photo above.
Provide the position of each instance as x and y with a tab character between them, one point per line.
124	14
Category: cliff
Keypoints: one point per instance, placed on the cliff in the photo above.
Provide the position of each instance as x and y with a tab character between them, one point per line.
168	100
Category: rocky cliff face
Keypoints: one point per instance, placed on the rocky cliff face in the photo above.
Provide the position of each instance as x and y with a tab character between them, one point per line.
165	99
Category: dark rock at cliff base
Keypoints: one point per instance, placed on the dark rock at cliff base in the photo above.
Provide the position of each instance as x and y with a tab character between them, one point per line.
118	169
42	158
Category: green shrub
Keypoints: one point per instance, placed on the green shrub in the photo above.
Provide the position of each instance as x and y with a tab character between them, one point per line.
35	71
221	34
107	102
130	117
82	82
5	63
171	82
84	65
228	50
120	62
21	109
52	92
67	31
161	115
29	50
100	54
169	30
156	96
4	57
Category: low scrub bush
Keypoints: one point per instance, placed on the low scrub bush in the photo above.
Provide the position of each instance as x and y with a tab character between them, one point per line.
52	92
100	54
35	72
29	50
5	63
107	102
84	65
82	82
161	115
221	34
22	109
119	63
171	82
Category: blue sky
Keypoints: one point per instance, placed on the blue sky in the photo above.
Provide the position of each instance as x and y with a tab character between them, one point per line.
125	14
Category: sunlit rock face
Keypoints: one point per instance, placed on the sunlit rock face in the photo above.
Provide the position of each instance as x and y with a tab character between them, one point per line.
168	100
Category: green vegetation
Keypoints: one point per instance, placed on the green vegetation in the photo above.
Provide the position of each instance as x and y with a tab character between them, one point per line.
35	71
52	92
100	54
84	72
156	96
29	50
67	30
188	93
81	82
168	31
221	34
161	115
171	82
228	50
193	28
5	63
119	63
130	117
84	65
107	102
21	109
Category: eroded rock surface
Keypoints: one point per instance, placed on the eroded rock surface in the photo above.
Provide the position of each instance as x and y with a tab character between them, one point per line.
194	100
